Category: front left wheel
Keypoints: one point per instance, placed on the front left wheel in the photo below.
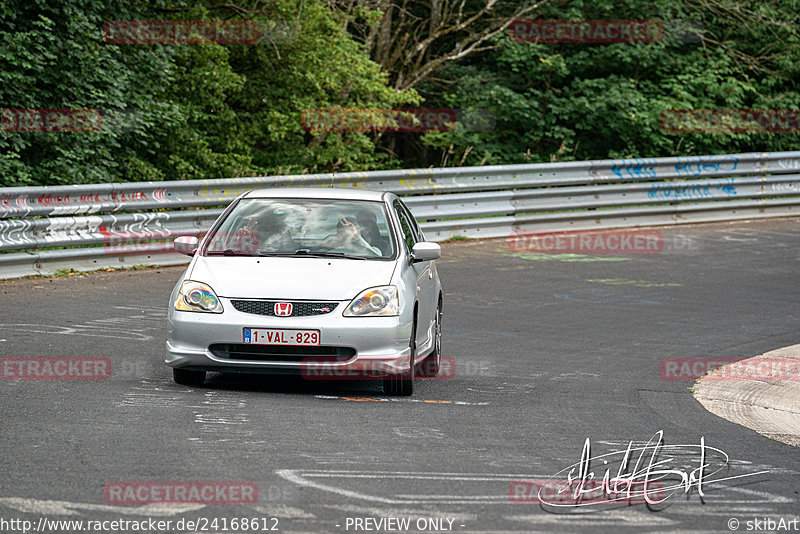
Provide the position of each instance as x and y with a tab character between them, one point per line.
432	363
402	385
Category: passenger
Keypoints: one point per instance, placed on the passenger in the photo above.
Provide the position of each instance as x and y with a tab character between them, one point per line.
367	222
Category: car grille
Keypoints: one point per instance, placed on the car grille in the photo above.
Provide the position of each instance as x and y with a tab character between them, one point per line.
281	353
299	308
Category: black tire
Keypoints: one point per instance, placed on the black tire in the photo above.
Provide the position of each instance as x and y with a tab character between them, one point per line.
402	385
186	377
432	363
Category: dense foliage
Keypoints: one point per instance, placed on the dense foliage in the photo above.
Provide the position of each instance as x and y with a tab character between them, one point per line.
556	102
222	110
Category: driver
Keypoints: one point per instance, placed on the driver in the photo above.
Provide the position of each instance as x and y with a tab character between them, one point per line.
268	233
273	235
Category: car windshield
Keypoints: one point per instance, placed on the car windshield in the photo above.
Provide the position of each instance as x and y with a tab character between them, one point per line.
354	229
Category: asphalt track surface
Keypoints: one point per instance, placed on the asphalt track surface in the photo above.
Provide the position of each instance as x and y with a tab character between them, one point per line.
548	351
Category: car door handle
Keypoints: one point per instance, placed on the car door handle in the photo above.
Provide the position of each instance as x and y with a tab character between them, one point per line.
430	274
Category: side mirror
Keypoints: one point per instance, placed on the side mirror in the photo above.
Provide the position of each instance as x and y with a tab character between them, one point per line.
426	251
186	245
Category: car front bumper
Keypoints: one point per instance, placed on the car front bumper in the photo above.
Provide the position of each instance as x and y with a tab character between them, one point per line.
381	344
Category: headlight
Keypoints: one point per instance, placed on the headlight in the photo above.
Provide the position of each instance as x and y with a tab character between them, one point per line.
197	297
376	301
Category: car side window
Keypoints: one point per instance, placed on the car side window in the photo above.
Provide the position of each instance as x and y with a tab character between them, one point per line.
415	229
405	226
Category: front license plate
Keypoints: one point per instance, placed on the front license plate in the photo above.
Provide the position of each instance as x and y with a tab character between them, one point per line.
271	336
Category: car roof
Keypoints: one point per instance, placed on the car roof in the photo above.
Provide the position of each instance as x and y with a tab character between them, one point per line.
338	193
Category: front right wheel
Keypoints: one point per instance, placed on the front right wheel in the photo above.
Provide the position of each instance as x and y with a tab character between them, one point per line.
187	377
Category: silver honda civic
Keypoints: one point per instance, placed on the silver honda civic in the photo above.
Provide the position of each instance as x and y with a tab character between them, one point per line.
324	283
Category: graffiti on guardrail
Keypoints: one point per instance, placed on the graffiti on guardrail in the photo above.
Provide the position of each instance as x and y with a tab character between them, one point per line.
677	191
18	205
785	187
640	169
143	235
139	229
103	198
669	191
130	241
222	192
6	200
703	165
789	164
490	201
634	168
116	197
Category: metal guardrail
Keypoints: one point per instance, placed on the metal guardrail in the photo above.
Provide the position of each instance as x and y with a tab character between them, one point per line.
132	223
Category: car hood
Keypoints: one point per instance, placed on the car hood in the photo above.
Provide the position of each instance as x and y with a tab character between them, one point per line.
290	278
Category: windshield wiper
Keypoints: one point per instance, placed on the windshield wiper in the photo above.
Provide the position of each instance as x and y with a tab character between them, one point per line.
276	254
332	255
304	252
227	252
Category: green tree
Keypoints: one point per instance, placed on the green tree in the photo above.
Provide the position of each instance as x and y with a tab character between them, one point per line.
183	111
581	101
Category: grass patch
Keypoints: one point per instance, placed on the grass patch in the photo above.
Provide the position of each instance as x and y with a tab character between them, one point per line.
455	238
67	273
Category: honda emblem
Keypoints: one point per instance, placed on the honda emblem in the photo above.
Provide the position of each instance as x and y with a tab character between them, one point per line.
283	309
